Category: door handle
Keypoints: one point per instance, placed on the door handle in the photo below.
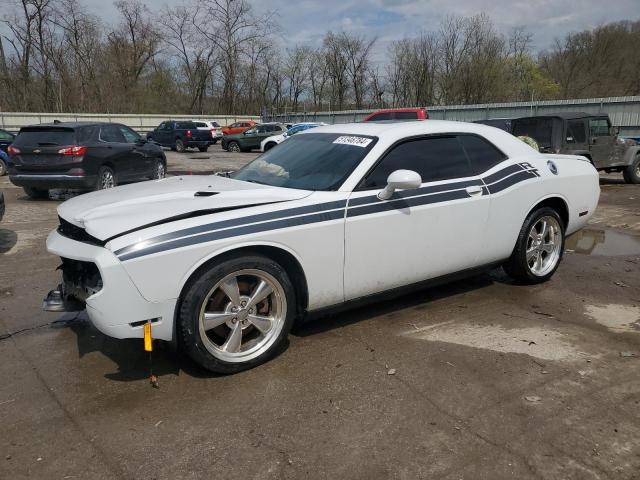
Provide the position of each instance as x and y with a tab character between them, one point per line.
474	191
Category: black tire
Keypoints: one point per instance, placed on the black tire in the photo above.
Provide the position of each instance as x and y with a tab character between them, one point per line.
233	146
517	267
632	172
106	178
36	193
215	140
3	168
269	146
203	149
198	290
180	148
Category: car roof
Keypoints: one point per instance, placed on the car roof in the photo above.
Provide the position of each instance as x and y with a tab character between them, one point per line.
407	109
71	124
564	115
389	133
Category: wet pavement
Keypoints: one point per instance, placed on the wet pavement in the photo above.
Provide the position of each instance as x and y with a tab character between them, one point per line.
480	379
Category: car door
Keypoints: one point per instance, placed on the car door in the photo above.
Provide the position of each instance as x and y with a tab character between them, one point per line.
123	156
250	138
141	161
417	234
602	143
576	135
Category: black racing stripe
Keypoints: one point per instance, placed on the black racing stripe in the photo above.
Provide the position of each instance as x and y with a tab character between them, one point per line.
494	177
234	222
415	192
233	232
406	203
510	181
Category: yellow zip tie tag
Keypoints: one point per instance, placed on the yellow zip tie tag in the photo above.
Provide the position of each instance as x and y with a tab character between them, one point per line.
148	345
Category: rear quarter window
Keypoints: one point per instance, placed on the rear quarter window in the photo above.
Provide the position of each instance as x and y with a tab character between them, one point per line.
482	154
185	125
45	136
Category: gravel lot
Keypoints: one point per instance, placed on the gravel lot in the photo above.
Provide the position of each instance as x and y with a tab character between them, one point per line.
481	379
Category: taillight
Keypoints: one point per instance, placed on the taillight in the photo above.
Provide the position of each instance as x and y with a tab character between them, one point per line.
11	150
76	151
213	132
188	133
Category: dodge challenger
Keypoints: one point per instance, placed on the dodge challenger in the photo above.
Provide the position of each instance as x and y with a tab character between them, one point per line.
223	266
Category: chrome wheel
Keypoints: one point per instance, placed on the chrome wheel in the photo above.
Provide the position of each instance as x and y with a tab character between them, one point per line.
234	147
107	180
544	245
159	170
242	315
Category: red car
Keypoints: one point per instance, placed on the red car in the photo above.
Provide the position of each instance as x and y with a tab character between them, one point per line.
238	127
398	114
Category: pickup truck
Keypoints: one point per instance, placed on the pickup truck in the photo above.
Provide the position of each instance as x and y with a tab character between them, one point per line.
180	135
589	135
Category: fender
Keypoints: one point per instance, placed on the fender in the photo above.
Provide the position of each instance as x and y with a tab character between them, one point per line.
238	246
630	155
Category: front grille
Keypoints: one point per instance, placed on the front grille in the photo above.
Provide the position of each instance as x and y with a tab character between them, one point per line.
69	230
80	279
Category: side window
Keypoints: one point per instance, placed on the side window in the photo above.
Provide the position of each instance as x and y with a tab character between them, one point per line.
576	131
86	134
434	158
406	115
482	154
166	126
599	127
111	133
381	116
129	135
263	128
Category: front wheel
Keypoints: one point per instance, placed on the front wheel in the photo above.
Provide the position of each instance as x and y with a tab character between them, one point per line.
539	248
215	140
3	167
632	172
269	146
237	314
158	170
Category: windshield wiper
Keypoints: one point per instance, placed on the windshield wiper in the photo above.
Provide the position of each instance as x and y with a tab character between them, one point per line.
256	181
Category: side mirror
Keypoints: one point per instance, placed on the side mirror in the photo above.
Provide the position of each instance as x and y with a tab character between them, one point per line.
400	180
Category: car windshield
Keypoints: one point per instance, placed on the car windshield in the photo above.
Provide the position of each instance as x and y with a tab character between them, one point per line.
313	161
540	129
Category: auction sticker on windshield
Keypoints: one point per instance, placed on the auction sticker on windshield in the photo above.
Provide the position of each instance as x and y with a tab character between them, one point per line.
353	140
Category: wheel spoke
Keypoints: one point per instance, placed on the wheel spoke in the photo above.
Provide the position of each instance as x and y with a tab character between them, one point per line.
234	340
213	320
231	290
262	291
543	230
548	247
261	323
538	264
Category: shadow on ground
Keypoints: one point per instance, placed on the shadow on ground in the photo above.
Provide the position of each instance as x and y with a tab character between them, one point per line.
8	239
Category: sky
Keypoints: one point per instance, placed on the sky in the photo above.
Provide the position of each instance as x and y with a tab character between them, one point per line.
306	21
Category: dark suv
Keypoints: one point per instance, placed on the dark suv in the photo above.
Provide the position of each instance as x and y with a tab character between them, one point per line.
251	139
87	156
589	135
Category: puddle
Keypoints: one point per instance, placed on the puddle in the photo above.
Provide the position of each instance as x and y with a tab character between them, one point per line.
617	318
590	241
541	343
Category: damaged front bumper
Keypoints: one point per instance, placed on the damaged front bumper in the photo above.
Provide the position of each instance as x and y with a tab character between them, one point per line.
93	277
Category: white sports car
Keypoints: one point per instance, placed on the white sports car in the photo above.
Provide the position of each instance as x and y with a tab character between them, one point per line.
334	215
270	142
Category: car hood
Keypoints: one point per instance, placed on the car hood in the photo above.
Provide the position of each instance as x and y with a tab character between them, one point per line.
109	213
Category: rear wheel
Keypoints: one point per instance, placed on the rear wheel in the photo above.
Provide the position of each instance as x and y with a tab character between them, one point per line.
3	168
36	193
180	148
233	147
539	248
106	178
203	149
237	314
269	146
632	172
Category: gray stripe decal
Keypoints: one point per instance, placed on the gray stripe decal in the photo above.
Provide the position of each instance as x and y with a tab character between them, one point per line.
334	210
234	232
235	222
